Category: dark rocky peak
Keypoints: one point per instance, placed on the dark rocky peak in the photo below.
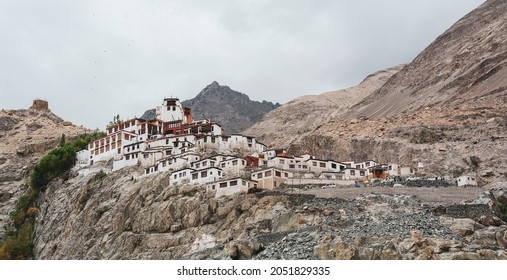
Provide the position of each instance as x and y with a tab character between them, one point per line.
231	109
215	91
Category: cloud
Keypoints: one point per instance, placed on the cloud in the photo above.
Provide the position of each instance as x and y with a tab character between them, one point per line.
95	59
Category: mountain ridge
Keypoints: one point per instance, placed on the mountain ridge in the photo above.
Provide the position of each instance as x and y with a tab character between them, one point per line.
452	70
299	117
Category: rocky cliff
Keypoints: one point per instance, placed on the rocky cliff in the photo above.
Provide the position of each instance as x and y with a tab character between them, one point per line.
26	135
233	110
114	216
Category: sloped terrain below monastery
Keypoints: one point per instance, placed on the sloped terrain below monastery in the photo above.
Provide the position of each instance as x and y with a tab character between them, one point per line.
117	217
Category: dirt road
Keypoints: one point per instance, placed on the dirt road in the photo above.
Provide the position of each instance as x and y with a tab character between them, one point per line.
443	196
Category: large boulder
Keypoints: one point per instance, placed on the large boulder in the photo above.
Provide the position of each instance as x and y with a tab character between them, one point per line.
498	193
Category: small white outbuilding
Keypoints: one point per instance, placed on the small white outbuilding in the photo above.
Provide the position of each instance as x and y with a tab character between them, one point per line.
466	181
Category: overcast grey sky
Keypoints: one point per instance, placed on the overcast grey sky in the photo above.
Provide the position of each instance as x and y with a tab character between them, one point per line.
93	59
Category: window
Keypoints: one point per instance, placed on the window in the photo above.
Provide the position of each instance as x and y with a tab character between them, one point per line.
194	176
361	173
204	164
286	174
146	155
223	185
259	175
233	183
314	163
322	164
235	162
292	166
223	165
278	174
352	172
282	161
244	183
127	157
268	173
204	174
175	176
333	165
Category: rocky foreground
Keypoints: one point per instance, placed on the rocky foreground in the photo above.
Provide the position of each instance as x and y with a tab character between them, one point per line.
114	216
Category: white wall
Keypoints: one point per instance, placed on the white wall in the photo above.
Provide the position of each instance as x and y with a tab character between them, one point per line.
83	157
226	187
466	181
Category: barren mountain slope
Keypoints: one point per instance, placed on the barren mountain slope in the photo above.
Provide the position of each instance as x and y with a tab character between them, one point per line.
460	81
26	135
301	116
465	64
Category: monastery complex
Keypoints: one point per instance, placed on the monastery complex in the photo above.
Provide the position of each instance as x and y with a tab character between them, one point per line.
199	152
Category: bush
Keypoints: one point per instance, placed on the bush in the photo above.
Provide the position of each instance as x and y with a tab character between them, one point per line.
60	160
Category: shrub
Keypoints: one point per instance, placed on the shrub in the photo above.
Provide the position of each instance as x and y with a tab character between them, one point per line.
60	159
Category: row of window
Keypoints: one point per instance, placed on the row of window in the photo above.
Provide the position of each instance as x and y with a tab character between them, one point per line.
131	148
353	172
231	183
268	173
133	156
195	175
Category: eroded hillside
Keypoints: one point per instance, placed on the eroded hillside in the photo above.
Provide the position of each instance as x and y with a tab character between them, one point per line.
463	66
301	116
26	135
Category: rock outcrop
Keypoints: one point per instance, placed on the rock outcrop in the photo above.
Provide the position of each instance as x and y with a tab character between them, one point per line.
26	135
118	217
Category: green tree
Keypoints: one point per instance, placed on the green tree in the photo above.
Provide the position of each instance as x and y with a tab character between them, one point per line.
62	140
116	120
